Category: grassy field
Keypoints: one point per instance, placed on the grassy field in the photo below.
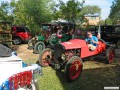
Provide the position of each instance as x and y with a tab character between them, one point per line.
95	76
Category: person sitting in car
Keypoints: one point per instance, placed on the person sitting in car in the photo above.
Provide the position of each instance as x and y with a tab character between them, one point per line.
91	40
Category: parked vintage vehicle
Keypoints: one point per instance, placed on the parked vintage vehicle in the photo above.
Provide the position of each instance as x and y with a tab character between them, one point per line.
20	34
51	34
110	33
15	74
69	56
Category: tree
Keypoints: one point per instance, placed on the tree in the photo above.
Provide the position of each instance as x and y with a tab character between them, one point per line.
74	11
68	10
115	11
32	13
108	21
88	10
5	13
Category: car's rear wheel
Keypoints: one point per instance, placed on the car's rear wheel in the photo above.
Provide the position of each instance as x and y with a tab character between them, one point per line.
45	57
73	68
110	55
53	40
118	44
17	41
30	44
39	46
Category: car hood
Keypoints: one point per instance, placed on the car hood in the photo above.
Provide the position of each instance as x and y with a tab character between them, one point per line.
74	44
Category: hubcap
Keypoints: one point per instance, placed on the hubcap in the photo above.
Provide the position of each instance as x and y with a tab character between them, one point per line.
40	48
16	41
46	58
75	69
53	40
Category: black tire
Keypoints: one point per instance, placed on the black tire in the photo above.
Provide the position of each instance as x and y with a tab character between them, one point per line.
17	41
39	46
110	54
69	70
30	44
118	44
46	59
53	40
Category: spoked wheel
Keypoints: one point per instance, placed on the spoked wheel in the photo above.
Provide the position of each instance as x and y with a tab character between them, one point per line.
30	44
110	55
17	41
118	44
73	68
45	57
53	39
39	46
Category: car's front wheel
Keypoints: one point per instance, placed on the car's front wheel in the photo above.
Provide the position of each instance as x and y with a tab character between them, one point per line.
45	57
30	44
110	55
39	46
17	41
73	68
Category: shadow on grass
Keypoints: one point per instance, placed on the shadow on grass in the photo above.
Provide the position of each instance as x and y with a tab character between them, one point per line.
93	79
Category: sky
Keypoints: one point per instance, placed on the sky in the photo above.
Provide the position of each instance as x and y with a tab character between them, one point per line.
103	4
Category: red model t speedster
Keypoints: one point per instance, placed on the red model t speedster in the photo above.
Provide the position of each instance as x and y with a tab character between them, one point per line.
69	55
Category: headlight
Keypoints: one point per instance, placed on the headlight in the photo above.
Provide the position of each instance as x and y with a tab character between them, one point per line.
63	56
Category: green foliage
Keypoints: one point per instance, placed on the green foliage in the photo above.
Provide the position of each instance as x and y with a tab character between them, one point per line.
115	11
27	12
4	12
88	10
33	14
74	10
108	21
68	10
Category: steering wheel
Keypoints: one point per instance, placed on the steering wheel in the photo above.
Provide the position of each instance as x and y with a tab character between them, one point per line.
59	34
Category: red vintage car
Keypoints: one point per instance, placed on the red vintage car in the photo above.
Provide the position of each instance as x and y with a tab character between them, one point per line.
69	56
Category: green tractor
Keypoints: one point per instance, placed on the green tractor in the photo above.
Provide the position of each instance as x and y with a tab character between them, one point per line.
51	34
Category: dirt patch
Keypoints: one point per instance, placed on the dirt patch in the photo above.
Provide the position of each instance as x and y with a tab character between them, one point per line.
25	53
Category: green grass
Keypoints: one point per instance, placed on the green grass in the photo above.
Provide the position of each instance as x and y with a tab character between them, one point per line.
90	79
